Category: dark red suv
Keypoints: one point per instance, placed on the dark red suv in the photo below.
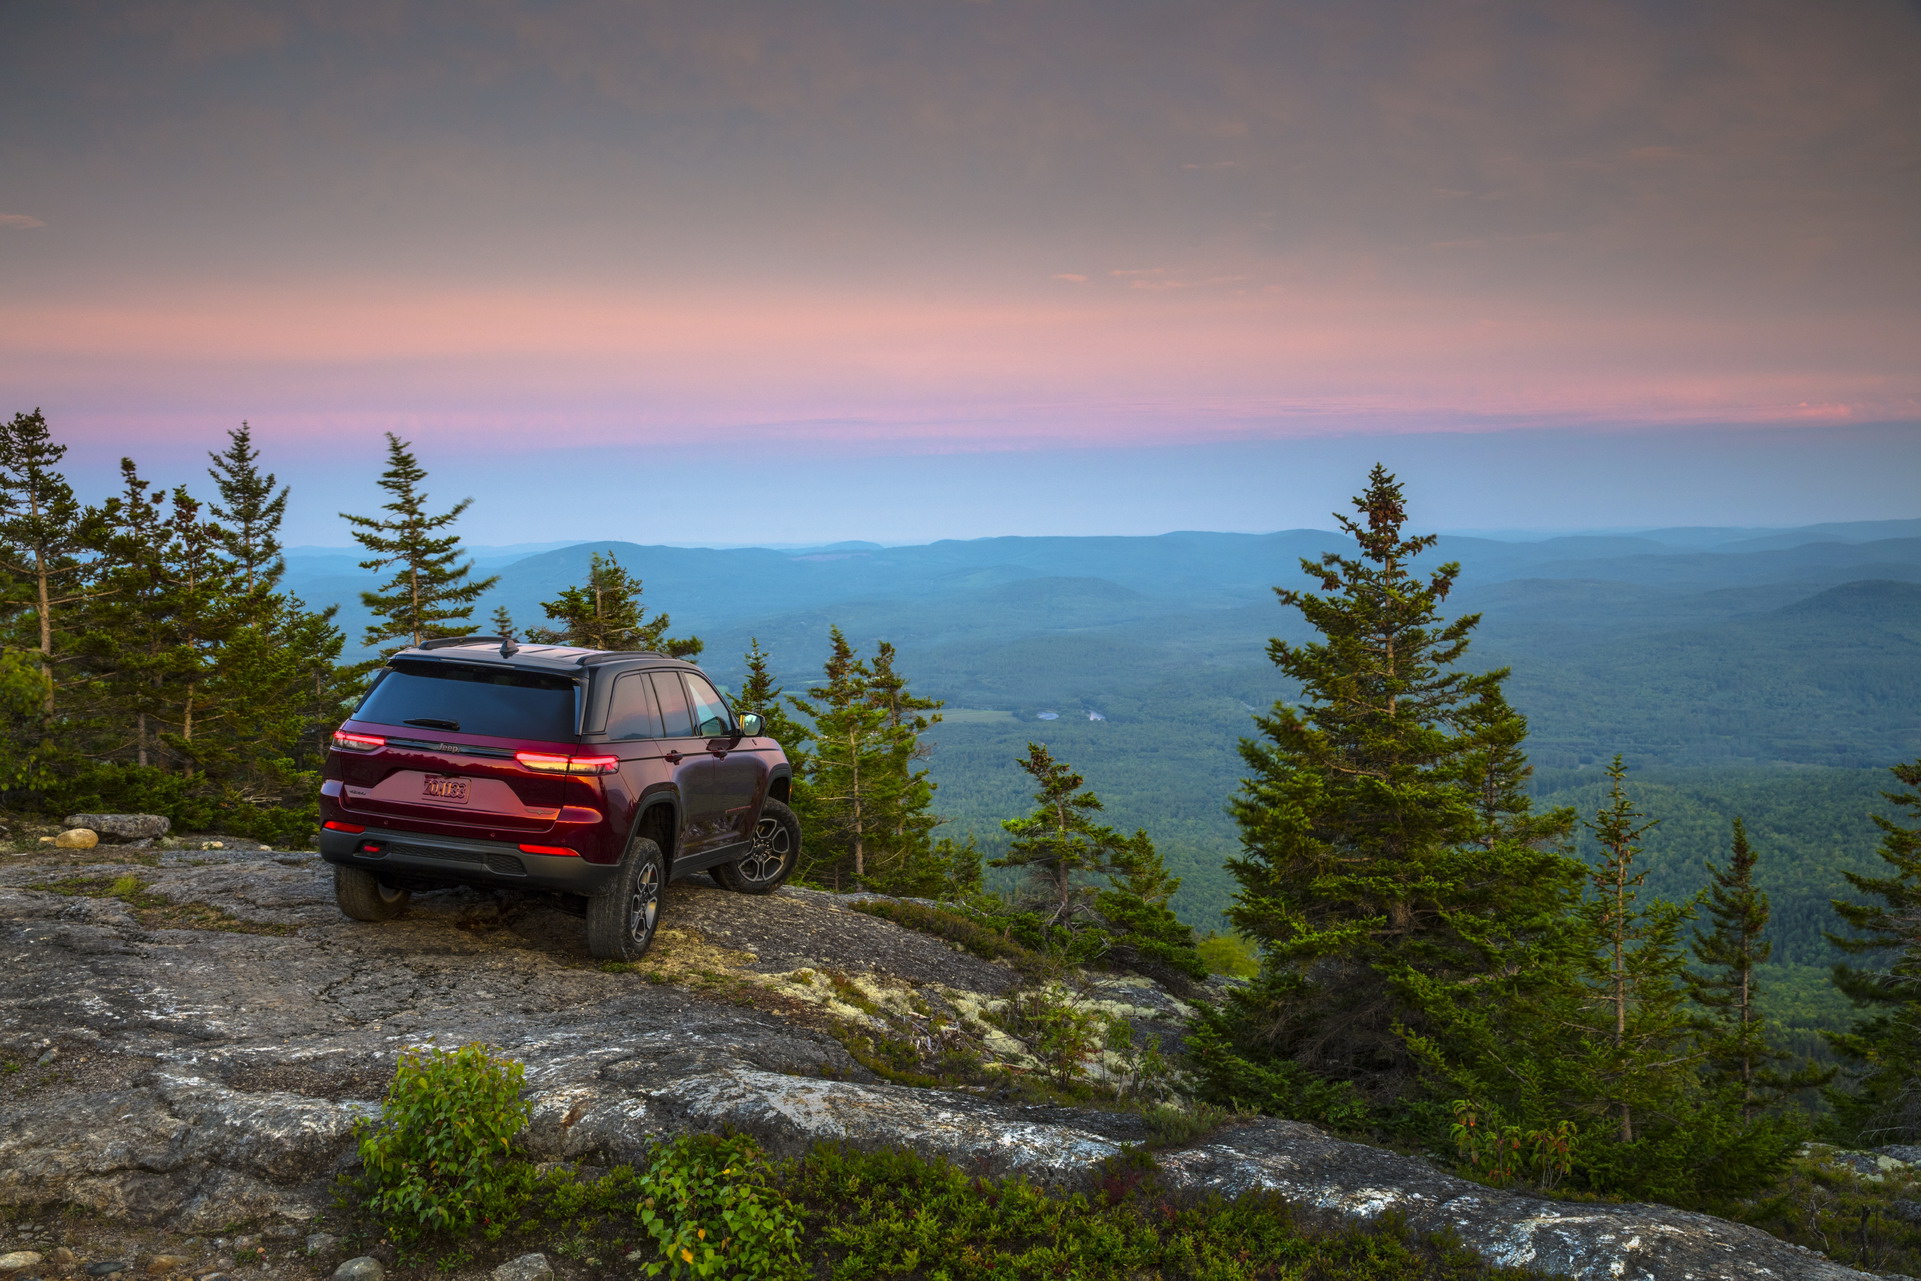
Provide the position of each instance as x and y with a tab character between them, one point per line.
595	773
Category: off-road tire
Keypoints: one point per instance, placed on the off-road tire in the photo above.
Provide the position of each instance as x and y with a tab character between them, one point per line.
771	860
622	918
362	897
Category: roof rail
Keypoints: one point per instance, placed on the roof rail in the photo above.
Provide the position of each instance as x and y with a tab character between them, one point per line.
442	642
614	655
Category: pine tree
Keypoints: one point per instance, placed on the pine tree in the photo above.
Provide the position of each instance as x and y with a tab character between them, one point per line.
1136	907
134	655
45	539
759	694
1645	1059
430	588
1060	845
1739	1055
502	622
1392	874
275	690
866	805
250	509
1881	1098
605	613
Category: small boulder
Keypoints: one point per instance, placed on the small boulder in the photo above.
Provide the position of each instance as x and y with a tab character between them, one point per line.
364	1268
528	1267
61	1257
18	1260
161	1264
322	1243
106	1267
1909	1152
116	828
77	838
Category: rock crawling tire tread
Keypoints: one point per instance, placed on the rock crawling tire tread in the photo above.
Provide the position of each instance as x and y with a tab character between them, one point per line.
608	935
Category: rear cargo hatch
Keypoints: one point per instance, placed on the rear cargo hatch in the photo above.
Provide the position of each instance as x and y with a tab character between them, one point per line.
451	732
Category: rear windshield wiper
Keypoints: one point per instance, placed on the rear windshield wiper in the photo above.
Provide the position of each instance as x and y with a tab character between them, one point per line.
431	723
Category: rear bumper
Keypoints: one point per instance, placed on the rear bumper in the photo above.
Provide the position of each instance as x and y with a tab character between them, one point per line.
419	857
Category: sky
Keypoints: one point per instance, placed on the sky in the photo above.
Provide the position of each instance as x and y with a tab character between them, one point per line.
738	272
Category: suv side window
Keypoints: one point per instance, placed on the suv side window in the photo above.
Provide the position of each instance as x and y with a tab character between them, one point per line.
677	718
633	713
711	717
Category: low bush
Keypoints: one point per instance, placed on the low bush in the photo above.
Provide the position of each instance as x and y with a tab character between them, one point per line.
710	1206
440	1157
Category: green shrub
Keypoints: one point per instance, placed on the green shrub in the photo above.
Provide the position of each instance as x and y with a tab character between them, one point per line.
1230	954
440	1157
711	1207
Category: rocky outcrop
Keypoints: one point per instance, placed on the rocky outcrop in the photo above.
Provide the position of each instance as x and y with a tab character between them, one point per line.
202	1077
116	828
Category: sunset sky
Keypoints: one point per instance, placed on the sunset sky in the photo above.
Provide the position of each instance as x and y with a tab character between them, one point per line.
735	272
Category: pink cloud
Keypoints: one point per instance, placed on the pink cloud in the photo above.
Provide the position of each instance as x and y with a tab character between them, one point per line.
19	221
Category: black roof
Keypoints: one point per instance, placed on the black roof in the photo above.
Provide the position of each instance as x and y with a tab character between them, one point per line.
569	659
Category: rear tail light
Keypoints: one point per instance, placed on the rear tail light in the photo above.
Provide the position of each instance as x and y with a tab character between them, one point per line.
542	763
333	825
358	742
549	849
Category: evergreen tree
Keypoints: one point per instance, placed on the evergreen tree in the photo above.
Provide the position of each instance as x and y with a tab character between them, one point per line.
605	613
759	694
430	588
1739	1054
275	691
250	509
1881	1101
1136	907
866	804
135	657
1644	1059
45	539
1060	845
1399	888
502	622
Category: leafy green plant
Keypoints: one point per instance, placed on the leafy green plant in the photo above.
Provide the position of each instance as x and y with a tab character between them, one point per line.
439	1158
712	1209
1499	1154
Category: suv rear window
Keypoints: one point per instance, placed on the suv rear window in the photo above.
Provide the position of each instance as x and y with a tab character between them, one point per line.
496	701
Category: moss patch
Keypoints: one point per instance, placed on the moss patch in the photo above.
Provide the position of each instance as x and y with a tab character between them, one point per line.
157	912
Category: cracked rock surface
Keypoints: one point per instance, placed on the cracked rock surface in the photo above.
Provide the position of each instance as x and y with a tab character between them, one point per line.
196	1078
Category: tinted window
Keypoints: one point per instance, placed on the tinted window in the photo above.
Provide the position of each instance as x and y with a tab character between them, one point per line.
677	719
472	700
633	714
711	717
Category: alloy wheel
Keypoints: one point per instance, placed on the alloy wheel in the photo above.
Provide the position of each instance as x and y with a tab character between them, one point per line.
771	845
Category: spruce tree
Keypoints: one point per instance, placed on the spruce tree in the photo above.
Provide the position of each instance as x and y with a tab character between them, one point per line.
1739	1056
502	622
605	613
1136	906
430	593
1400	890
760	694
867	805
134	652
1060	845
1879	1101
250	510
45	539
1643	1061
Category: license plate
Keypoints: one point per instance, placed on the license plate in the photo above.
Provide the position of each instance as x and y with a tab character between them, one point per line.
449	791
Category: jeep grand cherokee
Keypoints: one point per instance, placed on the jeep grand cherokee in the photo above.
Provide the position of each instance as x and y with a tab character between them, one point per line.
598	774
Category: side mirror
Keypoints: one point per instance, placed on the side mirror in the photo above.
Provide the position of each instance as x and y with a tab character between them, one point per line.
751	725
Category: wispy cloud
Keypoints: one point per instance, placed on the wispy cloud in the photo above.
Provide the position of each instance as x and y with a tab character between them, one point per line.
20	221
1069	277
